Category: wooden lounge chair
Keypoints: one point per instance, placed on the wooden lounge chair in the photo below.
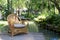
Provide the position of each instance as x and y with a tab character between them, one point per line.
15	25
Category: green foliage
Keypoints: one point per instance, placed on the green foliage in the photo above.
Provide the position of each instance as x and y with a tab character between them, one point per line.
33	6
52	19
3	2
4	28
18	3
55	20
33	27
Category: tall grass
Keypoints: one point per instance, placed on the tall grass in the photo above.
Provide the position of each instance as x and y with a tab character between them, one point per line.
32	27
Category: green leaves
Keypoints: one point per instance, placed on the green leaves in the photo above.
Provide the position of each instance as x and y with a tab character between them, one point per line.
18	3
3	2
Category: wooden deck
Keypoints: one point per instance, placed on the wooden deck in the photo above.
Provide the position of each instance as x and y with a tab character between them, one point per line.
29	36
44	35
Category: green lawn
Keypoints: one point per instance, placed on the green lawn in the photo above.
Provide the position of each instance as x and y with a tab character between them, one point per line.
4	22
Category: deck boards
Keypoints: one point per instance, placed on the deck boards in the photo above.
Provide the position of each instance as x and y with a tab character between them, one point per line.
42	35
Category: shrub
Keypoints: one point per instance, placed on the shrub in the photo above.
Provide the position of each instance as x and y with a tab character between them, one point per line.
55	20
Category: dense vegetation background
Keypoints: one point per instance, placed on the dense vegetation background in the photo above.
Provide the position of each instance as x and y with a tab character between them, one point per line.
43	12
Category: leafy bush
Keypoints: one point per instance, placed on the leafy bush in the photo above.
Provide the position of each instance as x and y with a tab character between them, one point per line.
55	20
